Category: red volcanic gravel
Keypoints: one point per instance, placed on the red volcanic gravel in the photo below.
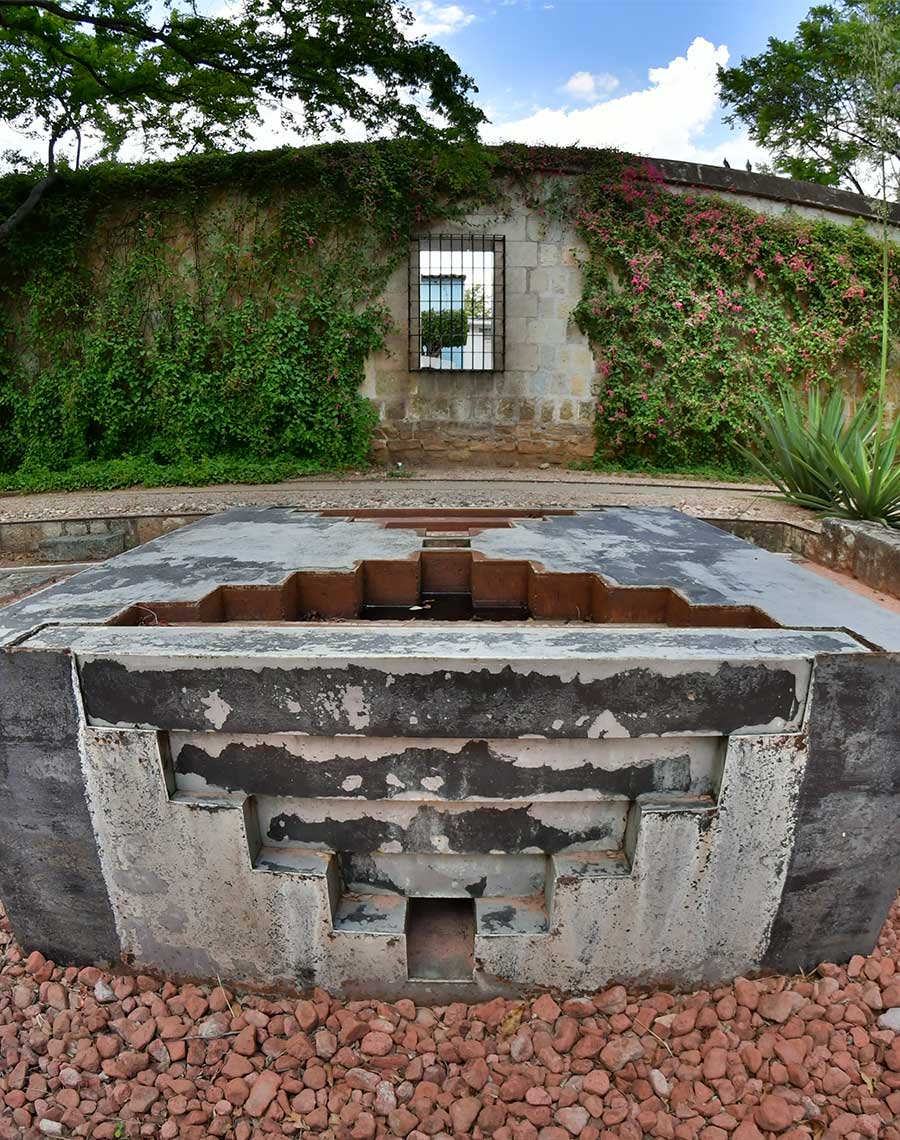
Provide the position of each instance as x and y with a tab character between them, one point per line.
798	1058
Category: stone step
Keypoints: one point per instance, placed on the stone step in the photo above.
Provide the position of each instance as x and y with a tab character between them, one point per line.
570	867
371	914
505	917
443	876
291	861
82	547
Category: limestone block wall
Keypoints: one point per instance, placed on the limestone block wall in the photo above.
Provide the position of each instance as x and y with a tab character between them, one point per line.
540	407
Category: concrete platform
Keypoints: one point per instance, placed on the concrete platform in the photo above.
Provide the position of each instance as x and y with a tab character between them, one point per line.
649	751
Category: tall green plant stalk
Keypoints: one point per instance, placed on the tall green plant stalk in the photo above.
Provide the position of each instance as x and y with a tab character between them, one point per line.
878	54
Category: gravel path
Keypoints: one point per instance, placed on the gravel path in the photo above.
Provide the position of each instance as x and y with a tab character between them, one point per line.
800	1058
494	487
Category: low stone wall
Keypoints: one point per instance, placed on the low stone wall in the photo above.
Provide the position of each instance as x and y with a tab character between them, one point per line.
87	539
867	551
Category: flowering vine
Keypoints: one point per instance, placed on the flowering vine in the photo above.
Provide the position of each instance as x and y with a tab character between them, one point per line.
694	305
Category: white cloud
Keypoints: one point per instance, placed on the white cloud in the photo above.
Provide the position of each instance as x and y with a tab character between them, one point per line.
433	20
588	88
668	118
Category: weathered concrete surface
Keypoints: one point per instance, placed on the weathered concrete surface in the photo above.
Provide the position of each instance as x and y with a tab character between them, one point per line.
638	547
52	884
704	884
240	547
845	862
642	546
261	799
188	899
357	768
589	682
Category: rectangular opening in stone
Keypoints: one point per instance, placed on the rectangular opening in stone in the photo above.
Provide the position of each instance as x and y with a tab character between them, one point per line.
440	940
456	303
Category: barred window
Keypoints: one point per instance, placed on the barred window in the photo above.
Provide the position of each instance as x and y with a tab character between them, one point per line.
456	303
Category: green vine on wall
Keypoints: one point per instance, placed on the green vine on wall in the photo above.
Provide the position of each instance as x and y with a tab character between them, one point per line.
214	314
220	306
695	305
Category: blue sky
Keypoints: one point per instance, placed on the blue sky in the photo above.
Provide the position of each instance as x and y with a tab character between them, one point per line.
639	74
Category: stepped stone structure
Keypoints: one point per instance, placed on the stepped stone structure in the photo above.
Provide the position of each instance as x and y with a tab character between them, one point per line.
449	753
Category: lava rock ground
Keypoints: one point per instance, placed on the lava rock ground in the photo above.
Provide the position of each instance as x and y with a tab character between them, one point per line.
816	1057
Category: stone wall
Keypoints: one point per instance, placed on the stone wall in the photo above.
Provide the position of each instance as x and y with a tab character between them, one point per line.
540	407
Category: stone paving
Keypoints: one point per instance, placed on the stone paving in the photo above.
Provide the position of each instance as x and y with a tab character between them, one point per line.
816	1057
450	487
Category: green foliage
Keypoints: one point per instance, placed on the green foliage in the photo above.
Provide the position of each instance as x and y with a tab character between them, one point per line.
189	79
833	463
794	435
443	328
221	307
847	465
826	103
737	472
133	471
475	303
696	307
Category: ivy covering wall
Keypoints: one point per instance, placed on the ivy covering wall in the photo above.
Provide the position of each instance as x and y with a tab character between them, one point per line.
218	308
214	314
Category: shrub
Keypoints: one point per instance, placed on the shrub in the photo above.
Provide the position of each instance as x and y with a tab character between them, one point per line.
822	459
443	328
697	308
216	307
791	450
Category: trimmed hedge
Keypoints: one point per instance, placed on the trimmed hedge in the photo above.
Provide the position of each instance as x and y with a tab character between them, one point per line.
443	328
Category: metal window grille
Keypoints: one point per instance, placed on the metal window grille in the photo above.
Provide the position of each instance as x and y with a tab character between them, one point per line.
457	304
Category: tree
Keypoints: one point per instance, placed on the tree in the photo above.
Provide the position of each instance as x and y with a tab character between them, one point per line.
475	303
826	104
191	81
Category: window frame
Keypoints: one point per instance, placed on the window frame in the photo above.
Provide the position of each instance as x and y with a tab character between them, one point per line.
462	243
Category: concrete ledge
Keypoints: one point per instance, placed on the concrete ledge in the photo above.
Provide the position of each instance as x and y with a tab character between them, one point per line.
552	682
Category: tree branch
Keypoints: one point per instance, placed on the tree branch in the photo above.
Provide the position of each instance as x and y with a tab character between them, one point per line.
135	28
18	216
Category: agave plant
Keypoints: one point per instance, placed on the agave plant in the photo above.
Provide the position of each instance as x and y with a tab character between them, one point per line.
789	451
831	462
866	477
